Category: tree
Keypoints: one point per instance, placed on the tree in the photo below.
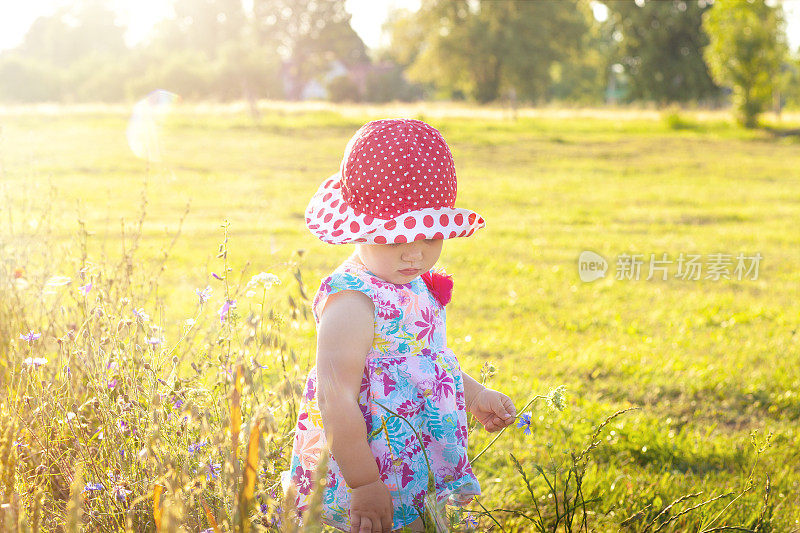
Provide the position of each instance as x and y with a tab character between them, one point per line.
76	53
211	48
85	28
484	47
583	75
202	26
308	35
746	49
661	47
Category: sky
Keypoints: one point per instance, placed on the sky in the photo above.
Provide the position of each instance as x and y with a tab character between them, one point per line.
139	16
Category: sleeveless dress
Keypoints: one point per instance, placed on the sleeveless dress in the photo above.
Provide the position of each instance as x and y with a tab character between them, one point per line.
410	371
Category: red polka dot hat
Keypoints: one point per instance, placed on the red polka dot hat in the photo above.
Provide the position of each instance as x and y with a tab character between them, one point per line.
396	184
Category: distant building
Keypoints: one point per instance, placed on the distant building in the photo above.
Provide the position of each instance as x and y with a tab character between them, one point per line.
358	74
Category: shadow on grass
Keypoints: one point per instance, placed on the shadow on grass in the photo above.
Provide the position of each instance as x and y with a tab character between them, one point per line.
782	132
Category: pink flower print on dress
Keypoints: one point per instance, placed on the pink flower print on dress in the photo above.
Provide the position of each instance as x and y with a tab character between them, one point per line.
461	467
412	446
407	475
301	420
386	310
443	384
302	480
410	408
461	432
386	380
426	325
311	392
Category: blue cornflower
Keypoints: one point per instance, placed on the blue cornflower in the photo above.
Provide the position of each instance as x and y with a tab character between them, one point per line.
141	315
30	336
213	470
203	295
154	341
524	422
195	447
120	492
93	487
470	521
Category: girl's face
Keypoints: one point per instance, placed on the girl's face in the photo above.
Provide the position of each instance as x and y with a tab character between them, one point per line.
400	263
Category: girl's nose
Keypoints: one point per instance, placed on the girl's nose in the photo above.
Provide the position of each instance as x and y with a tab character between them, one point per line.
412	254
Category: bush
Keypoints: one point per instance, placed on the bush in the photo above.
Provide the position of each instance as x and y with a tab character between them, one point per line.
343	89
27	80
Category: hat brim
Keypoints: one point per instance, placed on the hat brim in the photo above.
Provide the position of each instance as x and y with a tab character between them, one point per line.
333	221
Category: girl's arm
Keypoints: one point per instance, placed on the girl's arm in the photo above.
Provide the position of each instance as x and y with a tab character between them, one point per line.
471	388
344	338
493	409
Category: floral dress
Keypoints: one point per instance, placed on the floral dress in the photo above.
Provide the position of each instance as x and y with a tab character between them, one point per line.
410	371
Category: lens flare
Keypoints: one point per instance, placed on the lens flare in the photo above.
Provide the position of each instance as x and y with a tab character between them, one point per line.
147	120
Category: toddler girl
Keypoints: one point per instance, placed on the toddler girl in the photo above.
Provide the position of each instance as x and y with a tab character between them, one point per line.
381	347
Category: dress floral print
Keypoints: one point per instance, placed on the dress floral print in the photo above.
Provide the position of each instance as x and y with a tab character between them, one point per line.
410	371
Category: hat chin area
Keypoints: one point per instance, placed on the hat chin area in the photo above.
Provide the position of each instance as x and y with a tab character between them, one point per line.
333	221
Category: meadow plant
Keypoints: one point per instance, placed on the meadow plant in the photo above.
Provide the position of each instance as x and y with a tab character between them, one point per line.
112	422
115	418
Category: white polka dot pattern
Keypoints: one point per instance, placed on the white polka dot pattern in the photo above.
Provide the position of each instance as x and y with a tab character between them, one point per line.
396	184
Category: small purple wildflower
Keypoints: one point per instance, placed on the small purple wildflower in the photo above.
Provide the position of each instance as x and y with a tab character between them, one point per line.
120	492
525	423
195	447
177	404
34	362
85	288
93	487
204	295
30	336
213	470
154	341
112	383
141	315
470	521
217	276
225	310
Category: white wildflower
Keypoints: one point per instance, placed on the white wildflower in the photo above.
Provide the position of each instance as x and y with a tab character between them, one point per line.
263	279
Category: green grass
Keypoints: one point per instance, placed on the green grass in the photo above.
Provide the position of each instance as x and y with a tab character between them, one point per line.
706	361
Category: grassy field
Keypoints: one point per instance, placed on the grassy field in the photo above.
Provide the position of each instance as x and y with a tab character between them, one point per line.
706	362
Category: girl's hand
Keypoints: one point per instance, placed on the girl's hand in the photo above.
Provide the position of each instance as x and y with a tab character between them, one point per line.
494	410
371	508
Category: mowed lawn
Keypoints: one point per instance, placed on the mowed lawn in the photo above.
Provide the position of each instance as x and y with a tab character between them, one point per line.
706	361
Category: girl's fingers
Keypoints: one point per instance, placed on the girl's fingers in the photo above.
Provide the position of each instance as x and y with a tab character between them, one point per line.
509	407
355	524
366	525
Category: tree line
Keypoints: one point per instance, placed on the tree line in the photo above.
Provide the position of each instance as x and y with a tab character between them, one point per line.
686	51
